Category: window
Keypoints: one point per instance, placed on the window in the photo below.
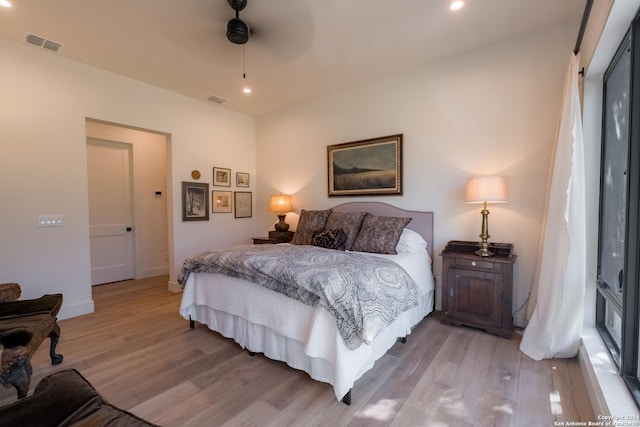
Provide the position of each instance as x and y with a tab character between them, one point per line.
613	197
618	302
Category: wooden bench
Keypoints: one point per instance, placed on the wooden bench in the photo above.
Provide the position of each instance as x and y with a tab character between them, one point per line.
23	327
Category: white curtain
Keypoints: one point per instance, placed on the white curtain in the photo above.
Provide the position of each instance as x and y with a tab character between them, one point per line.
555	321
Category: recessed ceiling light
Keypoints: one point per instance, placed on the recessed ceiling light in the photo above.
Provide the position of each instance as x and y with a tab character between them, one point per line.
247	90
456	5
5	3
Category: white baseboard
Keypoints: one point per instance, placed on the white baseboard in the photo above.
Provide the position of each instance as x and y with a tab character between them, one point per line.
174	287
153	272
67	311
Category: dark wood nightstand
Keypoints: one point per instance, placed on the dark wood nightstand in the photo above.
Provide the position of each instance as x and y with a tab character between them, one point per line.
263	241
274	237
477	291
281	236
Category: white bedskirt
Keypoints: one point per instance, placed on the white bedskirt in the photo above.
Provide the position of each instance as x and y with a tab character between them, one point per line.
284	329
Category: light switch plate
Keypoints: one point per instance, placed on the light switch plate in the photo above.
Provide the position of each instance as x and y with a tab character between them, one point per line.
50	220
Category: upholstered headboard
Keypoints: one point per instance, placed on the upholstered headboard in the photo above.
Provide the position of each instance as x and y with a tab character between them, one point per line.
422	222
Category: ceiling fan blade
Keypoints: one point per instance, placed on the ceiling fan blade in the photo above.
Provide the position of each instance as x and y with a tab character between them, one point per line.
284	29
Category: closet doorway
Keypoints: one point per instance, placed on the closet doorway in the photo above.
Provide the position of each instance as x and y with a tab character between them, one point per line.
127	171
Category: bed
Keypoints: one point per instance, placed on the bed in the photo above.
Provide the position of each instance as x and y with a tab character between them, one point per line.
307	337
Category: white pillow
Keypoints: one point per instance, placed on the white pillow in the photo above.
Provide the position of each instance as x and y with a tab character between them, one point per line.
410	241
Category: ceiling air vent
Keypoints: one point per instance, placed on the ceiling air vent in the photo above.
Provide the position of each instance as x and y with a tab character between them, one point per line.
216	99
48	44
42	42
35	40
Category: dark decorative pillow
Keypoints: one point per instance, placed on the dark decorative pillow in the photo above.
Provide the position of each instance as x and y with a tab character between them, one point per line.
309	223
379	234
330	239
349	222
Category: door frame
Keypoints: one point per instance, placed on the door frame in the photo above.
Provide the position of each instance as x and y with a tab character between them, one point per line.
118	132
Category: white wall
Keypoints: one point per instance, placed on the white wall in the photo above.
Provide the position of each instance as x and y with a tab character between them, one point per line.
45	100
493	111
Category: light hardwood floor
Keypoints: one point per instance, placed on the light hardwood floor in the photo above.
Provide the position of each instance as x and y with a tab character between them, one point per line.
142	356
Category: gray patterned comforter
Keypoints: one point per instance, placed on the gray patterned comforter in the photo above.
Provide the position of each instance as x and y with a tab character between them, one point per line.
363	292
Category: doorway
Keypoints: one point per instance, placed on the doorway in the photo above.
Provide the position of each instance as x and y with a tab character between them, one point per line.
149	178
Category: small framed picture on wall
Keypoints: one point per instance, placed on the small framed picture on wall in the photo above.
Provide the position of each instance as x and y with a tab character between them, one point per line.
242	179
221	201
195	201
222	177
242	204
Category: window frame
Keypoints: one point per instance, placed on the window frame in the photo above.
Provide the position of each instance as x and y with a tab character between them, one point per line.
626	355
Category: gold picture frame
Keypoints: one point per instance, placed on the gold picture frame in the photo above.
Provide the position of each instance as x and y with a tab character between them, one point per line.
365	168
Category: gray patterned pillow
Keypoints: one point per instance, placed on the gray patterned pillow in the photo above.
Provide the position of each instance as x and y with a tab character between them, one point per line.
349	222
379	234
309	223
330	239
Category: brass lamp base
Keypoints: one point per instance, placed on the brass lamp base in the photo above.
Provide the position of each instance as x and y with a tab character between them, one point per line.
484	250
484	234
281	225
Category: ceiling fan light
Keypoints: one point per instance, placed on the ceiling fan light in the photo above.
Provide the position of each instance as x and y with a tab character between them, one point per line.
237	31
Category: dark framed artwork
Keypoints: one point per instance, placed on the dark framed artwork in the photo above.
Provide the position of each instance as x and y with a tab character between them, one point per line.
366	168
221	201
242	201
222	177
195	201
242	179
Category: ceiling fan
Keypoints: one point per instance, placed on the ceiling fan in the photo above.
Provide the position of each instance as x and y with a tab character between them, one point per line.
237	29
274	37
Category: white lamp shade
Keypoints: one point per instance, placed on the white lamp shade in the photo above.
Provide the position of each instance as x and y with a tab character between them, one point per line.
490	189
280	203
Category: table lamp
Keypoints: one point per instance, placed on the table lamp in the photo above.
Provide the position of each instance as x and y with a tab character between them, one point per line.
281	204
486	189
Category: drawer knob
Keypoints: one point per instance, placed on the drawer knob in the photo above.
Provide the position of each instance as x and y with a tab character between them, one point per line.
473	263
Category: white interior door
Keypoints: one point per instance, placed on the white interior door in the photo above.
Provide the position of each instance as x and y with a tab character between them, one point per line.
110	211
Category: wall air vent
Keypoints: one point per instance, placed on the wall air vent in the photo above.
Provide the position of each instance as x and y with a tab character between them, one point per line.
216	99
43	43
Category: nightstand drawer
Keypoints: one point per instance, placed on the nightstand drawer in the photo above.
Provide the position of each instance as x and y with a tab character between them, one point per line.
476	263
